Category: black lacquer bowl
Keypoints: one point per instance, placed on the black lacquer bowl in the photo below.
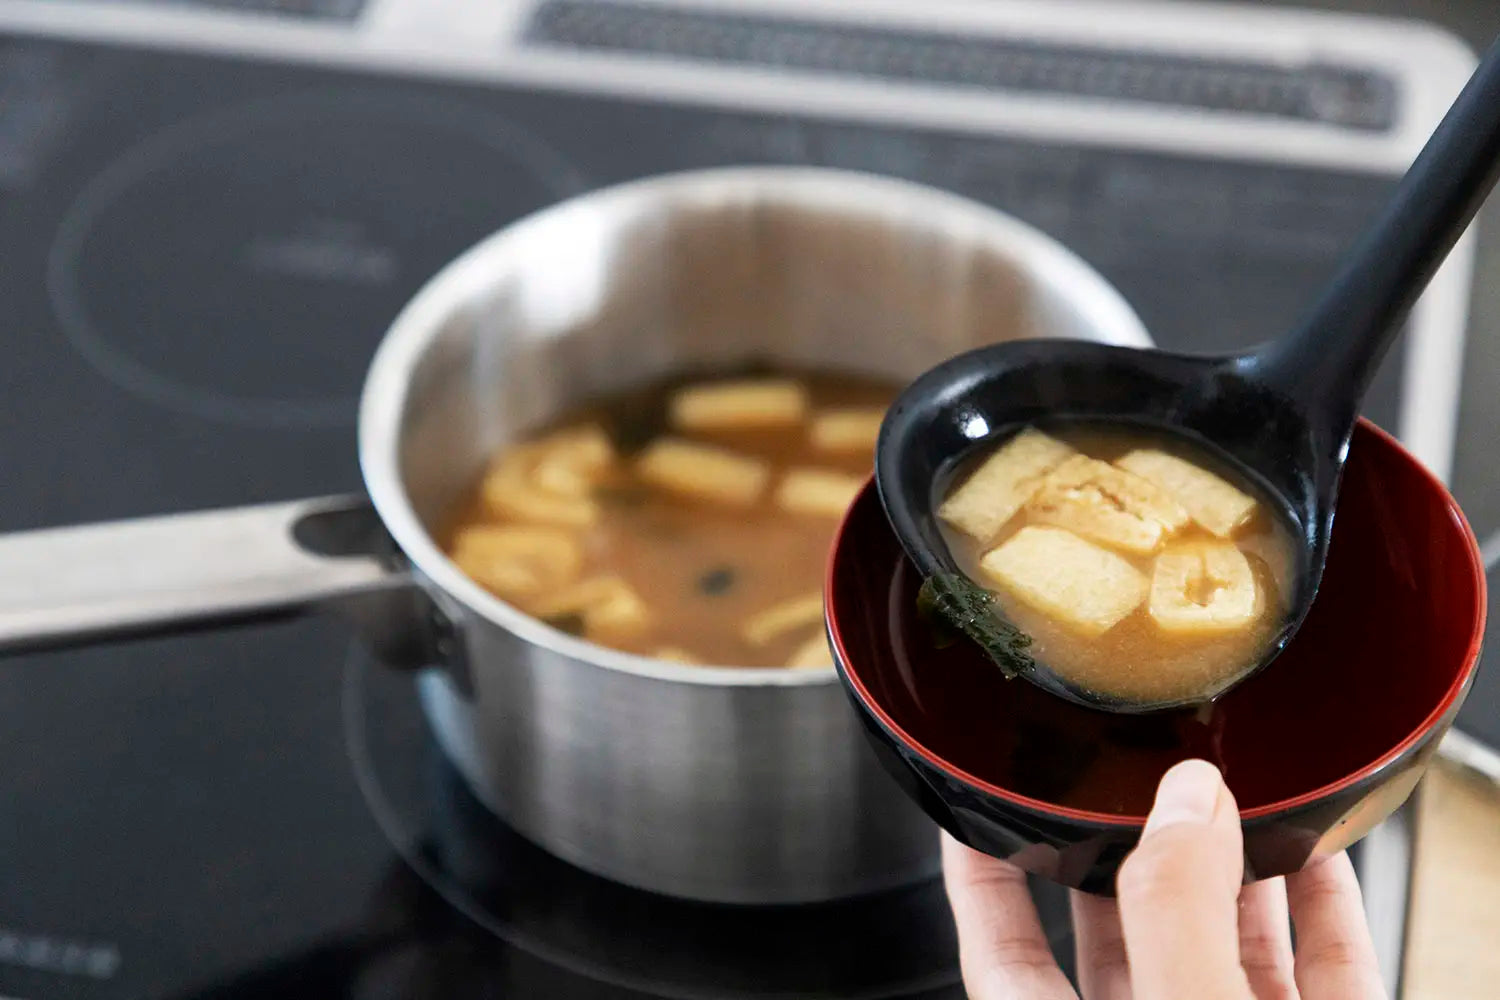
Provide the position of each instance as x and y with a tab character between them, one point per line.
1318	747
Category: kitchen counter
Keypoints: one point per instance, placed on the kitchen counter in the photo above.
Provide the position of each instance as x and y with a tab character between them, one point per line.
1455	907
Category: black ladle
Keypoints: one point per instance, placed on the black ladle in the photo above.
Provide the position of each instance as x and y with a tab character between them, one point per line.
1284	412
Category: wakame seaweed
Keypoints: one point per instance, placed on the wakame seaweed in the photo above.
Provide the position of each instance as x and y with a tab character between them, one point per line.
953	602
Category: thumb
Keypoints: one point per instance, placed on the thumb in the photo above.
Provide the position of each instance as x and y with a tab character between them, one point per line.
1179	891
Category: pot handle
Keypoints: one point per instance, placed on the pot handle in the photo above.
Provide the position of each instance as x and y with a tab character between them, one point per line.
71	586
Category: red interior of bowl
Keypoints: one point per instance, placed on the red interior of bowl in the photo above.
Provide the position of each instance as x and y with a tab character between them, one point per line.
1388	647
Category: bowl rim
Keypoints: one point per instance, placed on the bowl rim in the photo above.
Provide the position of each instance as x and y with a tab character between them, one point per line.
1421	731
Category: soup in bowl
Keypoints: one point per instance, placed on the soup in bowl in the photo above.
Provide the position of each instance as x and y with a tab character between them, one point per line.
1318	747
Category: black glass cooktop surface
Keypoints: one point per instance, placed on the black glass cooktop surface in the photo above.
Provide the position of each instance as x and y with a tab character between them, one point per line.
197	258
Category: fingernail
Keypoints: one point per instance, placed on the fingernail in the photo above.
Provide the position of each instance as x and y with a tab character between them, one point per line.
1187	794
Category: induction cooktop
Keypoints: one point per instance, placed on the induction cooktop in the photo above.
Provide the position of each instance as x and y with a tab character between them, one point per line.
210	210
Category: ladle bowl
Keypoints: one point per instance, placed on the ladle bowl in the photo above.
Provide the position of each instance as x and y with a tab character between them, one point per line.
988	393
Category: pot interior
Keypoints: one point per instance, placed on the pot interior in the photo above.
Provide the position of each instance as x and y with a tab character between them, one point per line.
705	272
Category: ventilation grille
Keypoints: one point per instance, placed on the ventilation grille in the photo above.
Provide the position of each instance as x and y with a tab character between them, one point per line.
1344	96
326	10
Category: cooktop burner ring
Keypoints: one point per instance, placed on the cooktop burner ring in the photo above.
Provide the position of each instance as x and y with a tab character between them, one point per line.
299	225
613	905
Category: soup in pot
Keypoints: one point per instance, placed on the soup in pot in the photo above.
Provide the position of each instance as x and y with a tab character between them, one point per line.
1140	566
686	520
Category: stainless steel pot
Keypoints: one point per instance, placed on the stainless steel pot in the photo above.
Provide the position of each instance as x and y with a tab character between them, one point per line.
737	785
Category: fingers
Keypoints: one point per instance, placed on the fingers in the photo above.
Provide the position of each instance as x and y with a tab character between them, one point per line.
1266	940
1335	956
1179	892
1265	944
1099	948
1002	948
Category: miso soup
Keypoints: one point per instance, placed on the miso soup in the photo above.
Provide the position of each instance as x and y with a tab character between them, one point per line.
689	520
1140	565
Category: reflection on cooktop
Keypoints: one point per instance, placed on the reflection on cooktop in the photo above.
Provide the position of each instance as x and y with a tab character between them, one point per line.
38	89
292	217
894	944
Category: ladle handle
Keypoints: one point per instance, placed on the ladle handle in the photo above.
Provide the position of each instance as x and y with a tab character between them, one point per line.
1329	361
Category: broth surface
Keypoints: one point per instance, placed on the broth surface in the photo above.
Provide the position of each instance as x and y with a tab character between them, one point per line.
714	514
1135	657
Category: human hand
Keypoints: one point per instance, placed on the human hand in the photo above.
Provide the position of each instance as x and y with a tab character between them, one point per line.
1182	925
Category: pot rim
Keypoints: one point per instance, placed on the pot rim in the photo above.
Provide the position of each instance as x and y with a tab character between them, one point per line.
1430	723
468	276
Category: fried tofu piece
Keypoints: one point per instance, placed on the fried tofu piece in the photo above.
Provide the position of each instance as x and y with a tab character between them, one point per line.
509	492
1079	585
572	462
817	492
1107	505
1203	589
995	491
549	481
676	654
739	405
520	561
703	472
811	654
1215	504
799	612
847	431
610	607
